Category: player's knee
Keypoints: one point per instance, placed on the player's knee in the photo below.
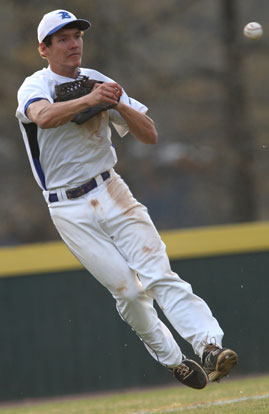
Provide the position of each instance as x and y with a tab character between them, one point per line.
128	293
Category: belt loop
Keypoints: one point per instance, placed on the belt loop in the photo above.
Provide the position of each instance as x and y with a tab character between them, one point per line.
99	179
102	177
62	194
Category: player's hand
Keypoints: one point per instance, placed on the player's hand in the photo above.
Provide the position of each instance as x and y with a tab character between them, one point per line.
107	92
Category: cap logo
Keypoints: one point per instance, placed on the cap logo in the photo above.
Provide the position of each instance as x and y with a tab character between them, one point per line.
65	15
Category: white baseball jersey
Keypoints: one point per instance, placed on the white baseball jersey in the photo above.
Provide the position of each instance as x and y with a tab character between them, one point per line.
71	154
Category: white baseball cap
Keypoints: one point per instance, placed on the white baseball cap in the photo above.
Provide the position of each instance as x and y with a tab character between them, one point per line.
55	20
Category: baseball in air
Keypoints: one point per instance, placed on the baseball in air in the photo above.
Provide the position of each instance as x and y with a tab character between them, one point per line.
253	30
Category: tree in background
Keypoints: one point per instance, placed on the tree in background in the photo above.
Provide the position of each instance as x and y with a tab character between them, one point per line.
236	120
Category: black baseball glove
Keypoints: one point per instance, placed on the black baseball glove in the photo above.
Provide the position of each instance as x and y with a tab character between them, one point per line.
75	89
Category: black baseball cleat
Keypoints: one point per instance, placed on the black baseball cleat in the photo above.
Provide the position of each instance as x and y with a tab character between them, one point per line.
190	374
218	362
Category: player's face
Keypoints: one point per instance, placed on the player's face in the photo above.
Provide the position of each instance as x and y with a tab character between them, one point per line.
65	52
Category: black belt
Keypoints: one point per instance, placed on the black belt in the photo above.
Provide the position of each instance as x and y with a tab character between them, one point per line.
81	190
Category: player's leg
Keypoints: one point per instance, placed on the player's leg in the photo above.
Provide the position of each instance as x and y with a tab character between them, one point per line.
137	239
78	226
82	225
139	242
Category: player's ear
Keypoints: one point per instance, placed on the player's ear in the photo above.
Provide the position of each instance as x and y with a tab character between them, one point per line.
43	50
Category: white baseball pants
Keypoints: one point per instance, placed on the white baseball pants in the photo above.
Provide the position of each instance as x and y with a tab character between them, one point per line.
113	237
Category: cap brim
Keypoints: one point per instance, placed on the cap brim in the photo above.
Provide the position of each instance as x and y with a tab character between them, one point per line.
81	23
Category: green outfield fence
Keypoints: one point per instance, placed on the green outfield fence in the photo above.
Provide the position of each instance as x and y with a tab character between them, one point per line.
61	334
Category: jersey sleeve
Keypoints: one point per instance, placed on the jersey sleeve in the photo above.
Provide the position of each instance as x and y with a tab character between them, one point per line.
31	90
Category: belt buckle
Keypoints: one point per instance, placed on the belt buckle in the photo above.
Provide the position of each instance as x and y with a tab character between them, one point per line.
81	190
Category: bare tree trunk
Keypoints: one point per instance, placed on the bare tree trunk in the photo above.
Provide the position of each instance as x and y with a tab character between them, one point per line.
237	128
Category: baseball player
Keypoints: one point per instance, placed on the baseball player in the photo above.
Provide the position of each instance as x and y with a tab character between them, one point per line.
95	213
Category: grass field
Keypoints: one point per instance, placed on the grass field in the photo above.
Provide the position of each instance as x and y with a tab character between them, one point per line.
241	396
